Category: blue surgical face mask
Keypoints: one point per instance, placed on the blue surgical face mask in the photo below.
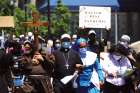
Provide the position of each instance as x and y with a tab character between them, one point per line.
82	52
66	44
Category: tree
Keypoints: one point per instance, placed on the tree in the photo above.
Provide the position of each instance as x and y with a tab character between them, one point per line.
20	18
6	8
60	19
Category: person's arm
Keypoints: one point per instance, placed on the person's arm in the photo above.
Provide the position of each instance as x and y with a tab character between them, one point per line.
79	64
133	61
99	70
51	57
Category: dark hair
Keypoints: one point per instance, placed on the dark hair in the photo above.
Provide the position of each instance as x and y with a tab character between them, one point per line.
120	49
8	43
16	48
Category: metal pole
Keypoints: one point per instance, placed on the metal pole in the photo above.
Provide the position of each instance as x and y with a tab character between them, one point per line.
101	36
49	20
116	27
2	41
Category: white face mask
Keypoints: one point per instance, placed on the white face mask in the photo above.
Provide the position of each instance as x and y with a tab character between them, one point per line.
58	46
73	42
124	43
117	57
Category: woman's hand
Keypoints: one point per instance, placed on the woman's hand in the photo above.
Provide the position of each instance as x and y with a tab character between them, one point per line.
38	57
50	58
79	67
35	62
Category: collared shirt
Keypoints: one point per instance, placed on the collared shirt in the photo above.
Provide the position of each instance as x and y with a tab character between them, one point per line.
61	62
109	64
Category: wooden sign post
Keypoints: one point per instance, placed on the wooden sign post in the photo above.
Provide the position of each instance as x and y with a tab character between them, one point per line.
36	24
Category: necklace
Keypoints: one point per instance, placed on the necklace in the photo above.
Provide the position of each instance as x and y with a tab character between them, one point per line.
66	58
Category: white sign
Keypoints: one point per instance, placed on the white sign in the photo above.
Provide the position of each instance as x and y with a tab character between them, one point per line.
67	79
94	17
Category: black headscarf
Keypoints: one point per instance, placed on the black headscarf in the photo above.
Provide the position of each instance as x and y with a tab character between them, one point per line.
120	48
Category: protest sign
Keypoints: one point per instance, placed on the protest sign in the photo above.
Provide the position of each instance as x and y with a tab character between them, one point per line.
94	17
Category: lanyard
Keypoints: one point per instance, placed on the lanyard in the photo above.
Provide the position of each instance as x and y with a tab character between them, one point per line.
66	58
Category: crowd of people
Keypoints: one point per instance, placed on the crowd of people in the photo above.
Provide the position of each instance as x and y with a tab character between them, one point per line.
69	64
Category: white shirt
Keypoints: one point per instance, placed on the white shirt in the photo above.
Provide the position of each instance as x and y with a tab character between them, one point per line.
109	64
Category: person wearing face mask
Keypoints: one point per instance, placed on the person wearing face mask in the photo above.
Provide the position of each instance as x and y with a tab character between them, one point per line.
91	76
73	42
125	39
115	66
74	38
66	61
57	44
132	56
27	47
93	44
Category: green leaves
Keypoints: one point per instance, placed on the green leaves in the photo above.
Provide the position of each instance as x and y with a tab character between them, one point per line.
19	18
6	8
60	19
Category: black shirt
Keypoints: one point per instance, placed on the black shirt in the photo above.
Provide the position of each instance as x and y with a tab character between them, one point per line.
94	46
70	58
